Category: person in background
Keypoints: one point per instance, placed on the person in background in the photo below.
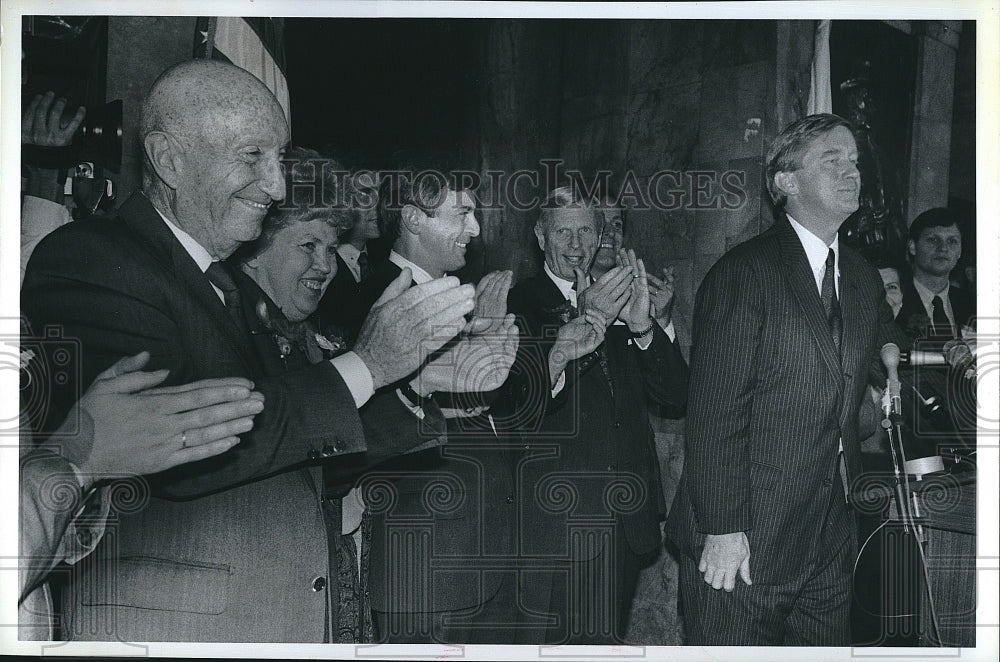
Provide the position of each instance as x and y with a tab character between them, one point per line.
42	208
472	517
576	404
342	306
123	426
612	238
932	307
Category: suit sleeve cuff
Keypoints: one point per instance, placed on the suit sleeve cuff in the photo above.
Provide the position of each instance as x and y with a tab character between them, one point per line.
560	384
356	375
669	330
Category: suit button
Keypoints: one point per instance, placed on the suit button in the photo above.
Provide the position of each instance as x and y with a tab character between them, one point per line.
827	482
319	584
509	499
329	449
618	425
612	467
313	454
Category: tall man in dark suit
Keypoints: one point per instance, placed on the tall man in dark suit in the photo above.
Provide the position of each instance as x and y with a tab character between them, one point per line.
589	495
232	548
786	329
452	587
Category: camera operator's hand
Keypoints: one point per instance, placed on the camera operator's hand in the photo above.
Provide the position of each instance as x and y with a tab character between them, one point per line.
407	324
41	123
41	126
126	427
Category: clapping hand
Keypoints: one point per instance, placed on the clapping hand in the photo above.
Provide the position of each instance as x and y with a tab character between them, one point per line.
127	427
635	313
407	324
661	295
476	363
491	301
578	337
608	295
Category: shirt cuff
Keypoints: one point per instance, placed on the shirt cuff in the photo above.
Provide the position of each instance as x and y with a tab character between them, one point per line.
560	384
669	330
356	375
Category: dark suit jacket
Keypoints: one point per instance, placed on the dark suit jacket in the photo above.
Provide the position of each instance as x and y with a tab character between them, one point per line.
770	398
452	512
913	318
341	306
229	548
587	456
957	421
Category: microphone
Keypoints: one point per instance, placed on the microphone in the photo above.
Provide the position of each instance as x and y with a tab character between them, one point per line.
920	357
890	359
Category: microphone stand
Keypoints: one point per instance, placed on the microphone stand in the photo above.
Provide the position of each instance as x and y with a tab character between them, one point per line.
909	510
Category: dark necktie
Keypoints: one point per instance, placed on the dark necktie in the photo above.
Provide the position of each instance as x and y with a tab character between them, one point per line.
941	329
831	305
220	276
364	268
601	351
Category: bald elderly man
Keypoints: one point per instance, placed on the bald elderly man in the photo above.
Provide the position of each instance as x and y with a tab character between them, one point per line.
234	548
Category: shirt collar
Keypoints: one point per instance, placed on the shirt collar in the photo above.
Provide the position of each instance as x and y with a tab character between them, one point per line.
349	253
926	296
198	253
419	275
565	286
816	250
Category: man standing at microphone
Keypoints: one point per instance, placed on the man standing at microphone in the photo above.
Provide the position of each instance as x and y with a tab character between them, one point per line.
786	329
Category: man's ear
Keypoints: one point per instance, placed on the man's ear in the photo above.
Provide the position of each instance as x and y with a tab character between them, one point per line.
412	218
166	156
786	182
540	235
911	249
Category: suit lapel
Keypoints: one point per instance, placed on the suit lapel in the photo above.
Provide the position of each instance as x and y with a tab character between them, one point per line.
139	213
858	317
803	287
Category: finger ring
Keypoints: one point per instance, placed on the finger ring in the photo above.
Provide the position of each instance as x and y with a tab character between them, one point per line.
184	439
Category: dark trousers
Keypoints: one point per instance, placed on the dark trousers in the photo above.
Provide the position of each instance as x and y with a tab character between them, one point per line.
583	601
811	609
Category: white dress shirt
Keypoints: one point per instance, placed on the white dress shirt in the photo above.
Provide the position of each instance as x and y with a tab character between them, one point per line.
420	276
926	297
349	253
816	252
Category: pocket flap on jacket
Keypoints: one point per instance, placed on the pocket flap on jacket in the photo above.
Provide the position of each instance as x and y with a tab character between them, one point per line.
148	582
764	476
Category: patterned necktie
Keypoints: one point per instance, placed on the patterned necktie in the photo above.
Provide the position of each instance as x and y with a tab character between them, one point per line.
941	327
601	351
831	305
220	276
364	268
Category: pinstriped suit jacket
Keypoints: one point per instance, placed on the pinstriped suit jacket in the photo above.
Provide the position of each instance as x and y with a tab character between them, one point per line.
226	549
771	398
